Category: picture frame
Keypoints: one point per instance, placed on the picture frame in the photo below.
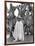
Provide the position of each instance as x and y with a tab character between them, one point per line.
6	22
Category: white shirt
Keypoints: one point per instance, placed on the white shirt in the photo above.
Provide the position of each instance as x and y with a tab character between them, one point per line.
19	31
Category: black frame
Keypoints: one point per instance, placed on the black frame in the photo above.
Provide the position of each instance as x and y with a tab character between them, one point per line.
6	17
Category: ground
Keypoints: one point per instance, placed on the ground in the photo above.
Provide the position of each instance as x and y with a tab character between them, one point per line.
27	39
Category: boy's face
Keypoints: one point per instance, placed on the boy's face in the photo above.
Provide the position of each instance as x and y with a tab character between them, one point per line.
18	19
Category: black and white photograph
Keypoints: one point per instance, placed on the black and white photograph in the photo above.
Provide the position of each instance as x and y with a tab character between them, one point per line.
19	22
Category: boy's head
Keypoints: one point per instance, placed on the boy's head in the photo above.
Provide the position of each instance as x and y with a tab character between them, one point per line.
19	18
